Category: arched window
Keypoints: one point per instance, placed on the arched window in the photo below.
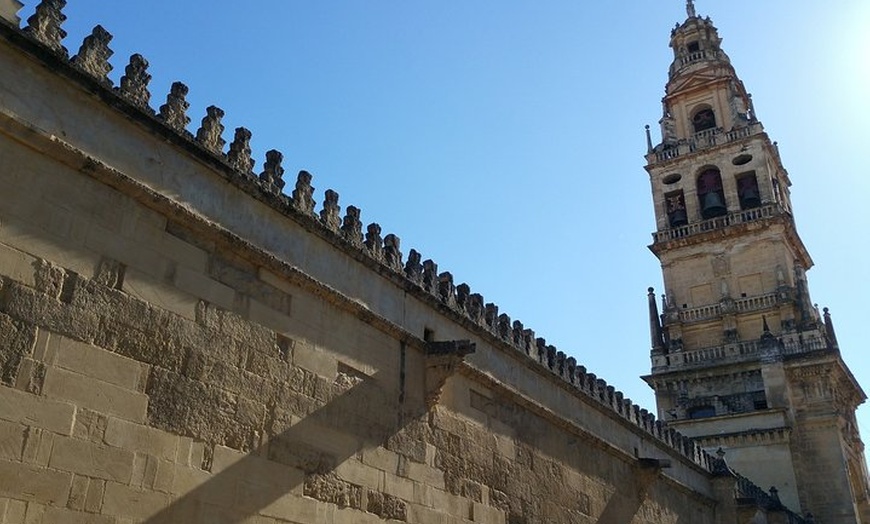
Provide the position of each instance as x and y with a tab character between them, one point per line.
710	193
747	191
703	120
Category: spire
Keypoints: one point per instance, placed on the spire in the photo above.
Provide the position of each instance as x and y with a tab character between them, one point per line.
690	8
655	327
829	331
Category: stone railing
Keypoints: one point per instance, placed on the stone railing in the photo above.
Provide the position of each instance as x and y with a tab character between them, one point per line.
42	38
704	140
739	352
732	218
742	305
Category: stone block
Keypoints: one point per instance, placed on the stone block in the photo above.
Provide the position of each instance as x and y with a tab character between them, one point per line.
93	460
17	340
30	410
152	290
183	253
125	501
141	439
94	394
11	440
34	484
37	446
95	362
64	516
202	287
17	265
356	472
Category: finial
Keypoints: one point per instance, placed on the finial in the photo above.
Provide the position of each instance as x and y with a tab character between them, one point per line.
655	326
134	83
210	132
272	173
330	214
44	25
174	111
303	194
9	11
649	146
94	54
239	155
690	8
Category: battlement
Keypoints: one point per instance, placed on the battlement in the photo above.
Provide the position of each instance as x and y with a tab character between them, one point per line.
381	252
43	40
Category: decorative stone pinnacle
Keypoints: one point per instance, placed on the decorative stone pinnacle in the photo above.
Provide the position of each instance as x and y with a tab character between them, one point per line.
303	194
174	111
273	172
413	267
352	226
374	242
93	55
239	155
45	25
330	215
209	133
9	10
392	252
134	83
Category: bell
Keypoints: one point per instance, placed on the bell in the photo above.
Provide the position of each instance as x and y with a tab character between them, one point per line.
678	217
750	198
713	205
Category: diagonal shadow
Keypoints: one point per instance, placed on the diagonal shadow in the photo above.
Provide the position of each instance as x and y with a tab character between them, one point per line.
253	484
628	497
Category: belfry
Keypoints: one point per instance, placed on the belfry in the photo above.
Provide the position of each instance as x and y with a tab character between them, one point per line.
742	359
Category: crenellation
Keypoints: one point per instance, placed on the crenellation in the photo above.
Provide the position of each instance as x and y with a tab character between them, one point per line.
414	268
551	357
446	289
44	25
9	10
174	112
272	175
393	252
134	83
476	308
303	194
93	56
463	292
490	316
330	214
503	327
239	154
541	350
374	243
430	277
209	135
351	227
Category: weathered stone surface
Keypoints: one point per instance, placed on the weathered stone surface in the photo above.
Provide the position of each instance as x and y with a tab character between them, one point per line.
16	342
94	54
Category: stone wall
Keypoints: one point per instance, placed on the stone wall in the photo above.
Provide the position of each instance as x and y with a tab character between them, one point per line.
181	342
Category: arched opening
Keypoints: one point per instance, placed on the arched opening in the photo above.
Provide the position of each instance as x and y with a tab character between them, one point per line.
747	191
710	194
675	206
704	119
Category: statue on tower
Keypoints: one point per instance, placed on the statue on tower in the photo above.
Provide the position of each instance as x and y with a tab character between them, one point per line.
690	8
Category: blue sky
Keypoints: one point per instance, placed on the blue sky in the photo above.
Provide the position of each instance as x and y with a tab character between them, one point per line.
504	139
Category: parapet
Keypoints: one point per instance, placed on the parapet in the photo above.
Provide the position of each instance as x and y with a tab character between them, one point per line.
380	251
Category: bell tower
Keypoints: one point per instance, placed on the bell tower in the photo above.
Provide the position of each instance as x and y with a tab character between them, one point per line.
742	359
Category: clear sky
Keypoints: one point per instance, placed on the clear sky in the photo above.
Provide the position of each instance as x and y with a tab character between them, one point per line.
504	139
